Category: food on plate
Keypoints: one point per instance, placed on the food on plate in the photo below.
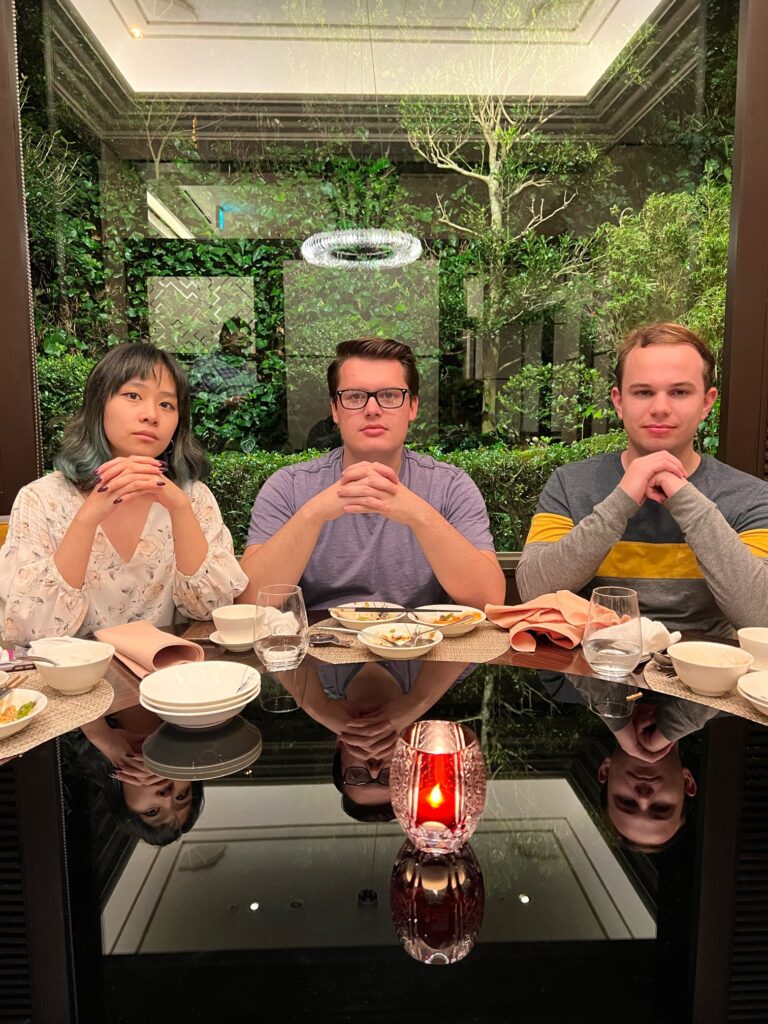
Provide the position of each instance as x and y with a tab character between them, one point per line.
401	636
447	618
347	611
13	714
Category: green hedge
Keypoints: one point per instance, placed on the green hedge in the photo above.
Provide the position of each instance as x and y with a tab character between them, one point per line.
61	382
510	480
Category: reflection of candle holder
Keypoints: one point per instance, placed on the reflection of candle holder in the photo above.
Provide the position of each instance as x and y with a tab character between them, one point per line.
437	903
437	782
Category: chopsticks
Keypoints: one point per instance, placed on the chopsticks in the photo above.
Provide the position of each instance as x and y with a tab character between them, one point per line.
389	611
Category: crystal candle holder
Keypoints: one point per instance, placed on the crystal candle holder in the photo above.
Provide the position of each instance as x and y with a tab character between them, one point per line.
437	782
437	903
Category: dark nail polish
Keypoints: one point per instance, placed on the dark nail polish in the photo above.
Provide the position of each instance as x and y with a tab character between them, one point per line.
161	483
117	501
102	489
97	479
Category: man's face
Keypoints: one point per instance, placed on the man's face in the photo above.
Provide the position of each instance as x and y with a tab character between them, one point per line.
372	432
645	801
662	398
371	793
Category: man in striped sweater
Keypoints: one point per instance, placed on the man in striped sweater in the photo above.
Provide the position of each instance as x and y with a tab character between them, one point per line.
687	532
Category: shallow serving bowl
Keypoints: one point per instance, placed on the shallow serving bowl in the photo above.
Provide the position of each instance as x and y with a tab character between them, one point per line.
200	685
345	614
195	719
708	668
16	698
225	705
80	663
371	637
754	640
754	688
444	619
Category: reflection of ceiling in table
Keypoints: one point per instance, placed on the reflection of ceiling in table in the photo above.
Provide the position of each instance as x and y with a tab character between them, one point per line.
296	71
281	867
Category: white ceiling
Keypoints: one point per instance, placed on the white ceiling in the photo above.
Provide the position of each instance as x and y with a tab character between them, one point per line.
364	47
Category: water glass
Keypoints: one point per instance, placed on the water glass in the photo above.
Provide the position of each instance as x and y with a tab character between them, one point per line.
281	618
612	638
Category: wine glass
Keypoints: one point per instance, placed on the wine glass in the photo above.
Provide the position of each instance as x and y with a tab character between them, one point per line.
613	649
281	618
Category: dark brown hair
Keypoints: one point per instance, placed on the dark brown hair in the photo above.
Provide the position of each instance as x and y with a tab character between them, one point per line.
84	445
664	333
374	348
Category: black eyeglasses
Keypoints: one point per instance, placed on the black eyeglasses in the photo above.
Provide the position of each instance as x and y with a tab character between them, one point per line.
358	775
387	398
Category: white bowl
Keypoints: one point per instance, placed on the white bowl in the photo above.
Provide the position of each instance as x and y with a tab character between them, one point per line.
81	663
246	696
394	652
236	623
754	639
200	685
432	618
754	688
16	698
194	719
351	619
708	668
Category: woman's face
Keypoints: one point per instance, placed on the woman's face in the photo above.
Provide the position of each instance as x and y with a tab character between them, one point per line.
142	416
166	803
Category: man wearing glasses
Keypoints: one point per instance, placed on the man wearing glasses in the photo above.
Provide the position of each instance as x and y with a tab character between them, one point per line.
372	520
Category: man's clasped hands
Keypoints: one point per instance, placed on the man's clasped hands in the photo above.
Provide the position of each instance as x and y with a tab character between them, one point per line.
641	736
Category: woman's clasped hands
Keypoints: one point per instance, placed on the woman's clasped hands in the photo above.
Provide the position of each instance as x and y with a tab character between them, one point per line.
127	478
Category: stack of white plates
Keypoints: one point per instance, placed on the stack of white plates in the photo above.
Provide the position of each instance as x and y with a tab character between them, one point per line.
223	750
201	694
754	688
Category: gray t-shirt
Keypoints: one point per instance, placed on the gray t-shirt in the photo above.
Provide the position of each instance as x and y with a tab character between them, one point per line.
370	557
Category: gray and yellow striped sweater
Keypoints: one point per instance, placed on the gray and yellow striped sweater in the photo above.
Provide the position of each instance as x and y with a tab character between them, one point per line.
698	562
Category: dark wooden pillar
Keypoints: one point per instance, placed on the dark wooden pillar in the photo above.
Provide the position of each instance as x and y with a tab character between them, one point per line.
744	433
20	459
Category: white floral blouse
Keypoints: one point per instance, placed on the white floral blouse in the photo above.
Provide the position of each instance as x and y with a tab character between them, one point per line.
36	601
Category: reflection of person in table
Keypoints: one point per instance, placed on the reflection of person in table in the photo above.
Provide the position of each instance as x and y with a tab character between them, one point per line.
143	804
125	529
646	787
646	803
367	706
685	531
373	520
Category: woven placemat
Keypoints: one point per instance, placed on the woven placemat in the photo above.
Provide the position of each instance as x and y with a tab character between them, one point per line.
63	714
733	702
484	643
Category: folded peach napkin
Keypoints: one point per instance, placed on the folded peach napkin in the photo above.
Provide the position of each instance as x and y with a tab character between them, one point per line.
143	648
560	617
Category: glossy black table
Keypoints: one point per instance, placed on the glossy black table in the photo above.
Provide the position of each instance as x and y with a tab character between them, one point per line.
278	902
